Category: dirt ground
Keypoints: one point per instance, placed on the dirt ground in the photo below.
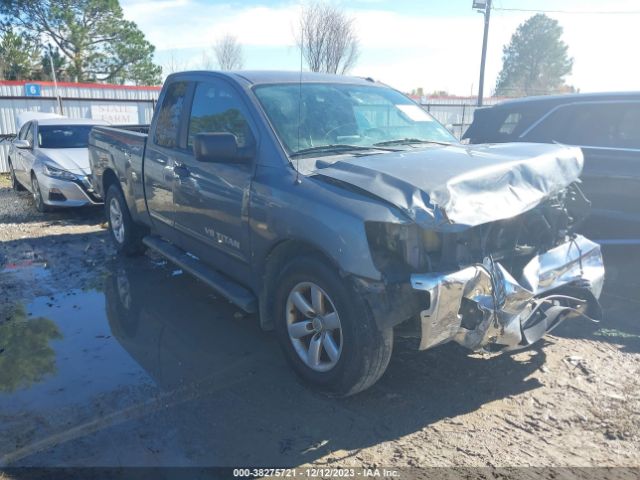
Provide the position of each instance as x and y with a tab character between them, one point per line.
108	361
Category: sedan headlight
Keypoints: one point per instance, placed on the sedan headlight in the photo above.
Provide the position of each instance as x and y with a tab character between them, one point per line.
55	172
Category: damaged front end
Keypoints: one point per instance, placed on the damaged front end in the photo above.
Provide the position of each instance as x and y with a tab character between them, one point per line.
483	306
488	255
500	285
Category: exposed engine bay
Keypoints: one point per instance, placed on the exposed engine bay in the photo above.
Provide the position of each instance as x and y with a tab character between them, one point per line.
399	250
477	300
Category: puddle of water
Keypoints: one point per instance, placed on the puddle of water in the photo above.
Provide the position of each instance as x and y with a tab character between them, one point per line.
27	270
153	360
64	351
144	330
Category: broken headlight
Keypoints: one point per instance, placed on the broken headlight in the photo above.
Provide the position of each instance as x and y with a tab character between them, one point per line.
398	249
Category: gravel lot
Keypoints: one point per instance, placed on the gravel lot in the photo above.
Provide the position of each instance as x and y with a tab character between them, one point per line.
107	361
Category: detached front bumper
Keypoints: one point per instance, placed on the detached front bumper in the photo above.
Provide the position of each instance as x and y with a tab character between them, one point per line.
483	305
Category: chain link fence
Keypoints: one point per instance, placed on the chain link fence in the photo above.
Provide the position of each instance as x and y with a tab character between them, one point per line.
455	114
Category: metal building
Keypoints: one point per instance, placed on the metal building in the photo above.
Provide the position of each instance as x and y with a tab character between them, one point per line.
117	104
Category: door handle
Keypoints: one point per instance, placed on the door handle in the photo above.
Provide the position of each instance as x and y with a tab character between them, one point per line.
181	171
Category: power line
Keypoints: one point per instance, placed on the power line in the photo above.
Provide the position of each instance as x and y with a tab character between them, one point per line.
572	12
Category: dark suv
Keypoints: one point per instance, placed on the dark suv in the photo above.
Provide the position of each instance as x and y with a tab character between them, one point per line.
605	125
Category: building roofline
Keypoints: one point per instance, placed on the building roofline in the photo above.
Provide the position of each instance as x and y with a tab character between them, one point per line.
107	86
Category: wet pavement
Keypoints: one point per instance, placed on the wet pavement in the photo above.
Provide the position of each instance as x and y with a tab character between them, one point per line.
155	360
147	367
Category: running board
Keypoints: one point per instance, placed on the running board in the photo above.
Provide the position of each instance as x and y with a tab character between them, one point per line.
226	287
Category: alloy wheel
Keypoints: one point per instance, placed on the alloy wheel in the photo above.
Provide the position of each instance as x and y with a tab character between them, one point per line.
37	194
314	326
116	220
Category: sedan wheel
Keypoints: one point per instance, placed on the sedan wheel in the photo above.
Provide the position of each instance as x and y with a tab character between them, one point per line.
37	195
314	326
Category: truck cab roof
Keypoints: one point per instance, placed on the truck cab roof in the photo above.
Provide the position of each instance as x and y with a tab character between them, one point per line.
258	77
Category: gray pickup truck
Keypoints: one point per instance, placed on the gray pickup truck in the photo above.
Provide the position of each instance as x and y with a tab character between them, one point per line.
341	212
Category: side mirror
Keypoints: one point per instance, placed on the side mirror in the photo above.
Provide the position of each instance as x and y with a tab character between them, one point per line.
23	144
218	147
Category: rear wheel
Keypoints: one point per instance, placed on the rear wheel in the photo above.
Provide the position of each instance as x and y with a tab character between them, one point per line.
126	235
15	184
37	195
327	331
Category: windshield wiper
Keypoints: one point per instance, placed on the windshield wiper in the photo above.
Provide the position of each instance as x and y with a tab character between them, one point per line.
339	147
408	141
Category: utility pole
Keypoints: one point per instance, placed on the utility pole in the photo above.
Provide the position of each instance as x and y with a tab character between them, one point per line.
487	15
55	80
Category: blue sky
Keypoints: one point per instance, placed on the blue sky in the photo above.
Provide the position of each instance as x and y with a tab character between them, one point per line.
434	44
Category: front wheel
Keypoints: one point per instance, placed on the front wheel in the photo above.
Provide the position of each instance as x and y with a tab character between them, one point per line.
327	331
125	233
37	195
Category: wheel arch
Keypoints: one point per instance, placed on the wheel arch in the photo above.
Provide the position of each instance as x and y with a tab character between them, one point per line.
275	260
108	178
32	173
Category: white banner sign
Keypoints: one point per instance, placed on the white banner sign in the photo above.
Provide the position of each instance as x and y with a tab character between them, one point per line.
116	114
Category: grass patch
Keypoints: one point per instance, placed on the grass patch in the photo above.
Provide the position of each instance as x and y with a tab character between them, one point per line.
612	332
5	180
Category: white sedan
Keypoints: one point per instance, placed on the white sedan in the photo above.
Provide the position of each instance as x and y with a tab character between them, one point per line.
49	157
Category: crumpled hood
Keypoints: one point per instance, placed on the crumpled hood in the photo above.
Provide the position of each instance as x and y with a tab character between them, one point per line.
74	160
453	187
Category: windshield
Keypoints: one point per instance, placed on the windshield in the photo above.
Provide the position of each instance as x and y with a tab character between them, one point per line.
63	136
343	114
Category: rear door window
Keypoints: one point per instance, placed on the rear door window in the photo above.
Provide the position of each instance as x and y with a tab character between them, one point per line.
168	123
628	132
596	124
592	124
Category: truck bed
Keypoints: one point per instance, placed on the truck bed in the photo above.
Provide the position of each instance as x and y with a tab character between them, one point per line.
131	128
121	150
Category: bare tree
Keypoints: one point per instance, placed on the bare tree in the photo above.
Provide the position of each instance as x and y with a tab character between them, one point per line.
206	63
229	53
327	38
174	64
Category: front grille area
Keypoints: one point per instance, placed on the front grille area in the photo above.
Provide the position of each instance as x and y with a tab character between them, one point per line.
515	241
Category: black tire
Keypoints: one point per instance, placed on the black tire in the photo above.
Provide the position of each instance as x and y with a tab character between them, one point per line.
128	240
365	349
15	184
37	195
